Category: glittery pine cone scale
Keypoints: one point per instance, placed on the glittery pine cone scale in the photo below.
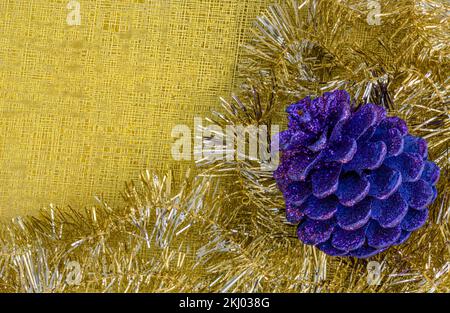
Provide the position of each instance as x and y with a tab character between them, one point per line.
355	182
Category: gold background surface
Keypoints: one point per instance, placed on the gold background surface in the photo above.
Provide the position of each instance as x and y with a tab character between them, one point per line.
85	108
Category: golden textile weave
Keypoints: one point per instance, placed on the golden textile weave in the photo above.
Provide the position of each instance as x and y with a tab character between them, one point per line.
85	108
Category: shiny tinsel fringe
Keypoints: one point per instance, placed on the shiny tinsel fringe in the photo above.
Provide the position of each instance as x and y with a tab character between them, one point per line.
195	239
305	48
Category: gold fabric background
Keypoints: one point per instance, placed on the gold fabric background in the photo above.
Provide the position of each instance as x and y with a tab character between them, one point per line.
85	108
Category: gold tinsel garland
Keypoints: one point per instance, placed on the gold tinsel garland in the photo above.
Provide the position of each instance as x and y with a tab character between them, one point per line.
224	230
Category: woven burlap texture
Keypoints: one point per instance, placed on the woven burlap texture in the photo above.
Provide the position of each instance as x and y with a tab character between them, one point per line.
85	108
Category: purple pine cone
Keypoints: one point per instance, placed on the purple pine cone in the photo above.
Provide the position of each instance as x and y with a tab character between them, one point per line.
357	182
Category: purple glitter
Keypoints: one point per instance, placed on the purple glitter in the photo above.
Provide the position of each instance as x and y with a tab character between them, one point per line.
355	182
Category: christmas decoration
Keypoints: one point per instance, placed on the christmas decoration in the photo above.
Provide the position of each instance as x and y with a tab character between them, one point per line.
306	48
356	181
226	231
